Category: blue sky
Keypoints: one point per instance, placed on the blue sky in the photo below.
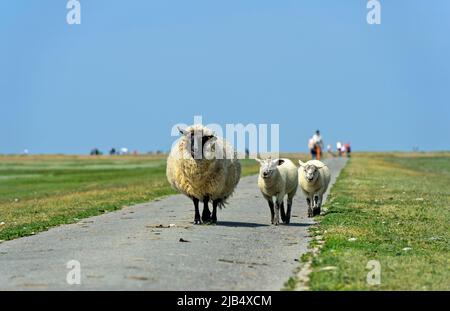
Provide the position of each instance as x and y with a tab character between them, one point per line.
132	69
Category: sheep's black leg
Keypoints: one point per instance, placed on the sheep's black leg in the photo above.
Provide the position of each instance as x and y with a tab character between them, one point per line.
206	215
214	213
316	209
316	200
197	220
288	212
272	212
318	203
283	215
310	210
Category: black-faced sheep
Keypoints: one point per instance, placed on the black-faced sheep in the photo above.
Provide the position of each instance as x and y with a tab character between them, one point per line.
205	168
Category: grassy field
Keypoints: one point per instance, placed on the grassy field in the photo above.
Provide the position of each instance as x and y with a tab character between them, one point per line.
394	208
39	192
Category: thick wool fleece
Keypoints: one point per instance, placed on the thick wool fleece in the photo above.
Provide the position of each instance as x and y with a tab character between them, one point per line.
212	178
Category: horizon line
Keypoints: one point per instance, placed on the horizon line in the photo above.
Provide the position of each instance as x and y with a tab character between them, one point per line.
167	152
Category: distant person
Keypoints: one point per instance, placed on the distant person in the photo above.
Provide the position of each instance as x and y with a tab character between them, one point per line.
330	151
312	148
318	142
343	149
348	149
338	148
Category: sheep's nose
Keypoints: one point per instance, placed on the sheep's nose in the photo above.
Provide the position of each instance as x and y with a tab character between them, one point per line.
265	174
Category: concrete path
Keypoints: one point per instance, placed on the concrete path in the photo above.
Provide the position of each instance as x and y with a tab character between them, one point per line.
135	248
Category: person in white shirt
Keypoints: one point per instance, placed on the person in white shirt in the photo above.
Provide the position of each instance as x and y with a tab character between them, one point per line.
338	148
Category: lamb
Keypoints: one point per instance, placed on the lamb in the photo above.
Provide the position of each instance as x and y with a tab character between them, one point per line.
203	167
278	178
313	177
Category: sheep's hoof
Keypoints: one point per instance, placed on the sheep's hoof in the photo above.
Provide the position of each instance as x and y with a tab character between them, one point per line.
316	211
197	222
287	221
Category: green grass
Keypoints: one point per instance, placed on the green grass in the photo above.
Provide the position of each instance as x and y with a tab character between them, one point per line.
389	203
290	284
39	192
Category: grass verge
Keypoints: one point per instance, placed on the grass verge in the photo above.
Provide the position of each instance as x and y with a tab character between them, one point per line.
393	208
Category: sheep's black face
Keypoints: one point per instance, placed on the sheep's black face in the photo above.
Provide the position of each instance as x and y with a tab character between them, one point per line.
198	145
311	173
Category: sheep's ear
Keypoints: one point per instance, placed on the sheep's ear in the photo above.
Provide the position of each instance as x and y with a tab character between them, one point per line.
259	160
276	162
301	163
319	165
182	132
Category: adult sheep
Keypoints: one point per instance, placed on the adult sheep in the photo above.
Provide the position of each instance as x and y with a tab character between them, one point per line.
278	178
205	168
313	177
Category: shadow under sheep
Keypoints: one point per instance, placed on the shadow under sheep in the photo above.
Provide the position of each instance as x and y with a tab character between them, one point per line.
255	225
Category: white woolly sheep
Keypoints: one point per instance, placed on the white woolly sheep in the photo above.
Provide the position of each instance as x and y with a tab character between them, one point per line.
313	177
278	178
204	167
